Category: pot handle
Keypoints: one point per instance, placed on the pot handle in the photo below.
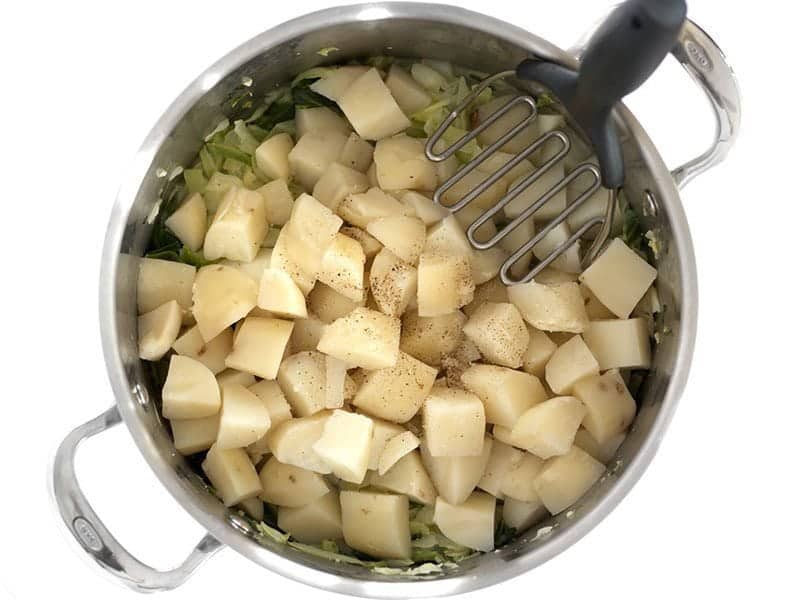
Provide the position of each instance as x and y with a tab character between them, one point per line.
91	533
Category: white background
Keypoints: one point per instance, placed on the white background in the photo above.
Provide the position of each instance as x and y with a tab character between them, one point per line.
716	514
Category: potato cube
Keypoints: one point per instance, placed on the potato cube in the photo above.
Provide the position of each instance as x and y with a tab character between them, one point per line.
338	182
539	351
396	393
430	339
502	460
313	225
610	408
502	434
428	77
522	515
454	422
319	118
222	295
356	153
306	334
468	183
239	226
189	222
382	432
499	333
601	452
328	304
408	476
343	267
158	330
395	449
498	160
272	156
404	236
291	442
234	376
315	522
619	278
369	106
218	186
285	257
570	260
520	142
376	524
571	362
455	477
364	338
424	208
550	276
190	390
301	376
444	284
447	237
345	444
361	209
232	474
486	264
549	428
619	343
516	239
259	346
312	154
393	283
506	394
493	290
253	269
335	83
564	479
410	96
271	395
279	294
194	435
288	485
556	307
537	190
401	164
470	524
243	418
335	375
278	201
369	244
518	483
161	281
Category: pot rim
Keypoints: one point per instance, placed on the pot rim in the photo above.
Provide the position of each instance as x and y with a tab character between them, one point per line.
221	529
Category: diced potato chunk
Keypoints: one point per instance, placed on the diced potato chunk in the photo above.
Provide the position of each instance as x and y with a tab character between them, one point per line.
619	278
428	77
232	474
302	379
502	434
570	260
238	228
447	237
550	276
395	449
345	445
540	350
254	507
329	304
338	182
190	390
404	236
278	201
499	333
361	209
601	452
259	346
376	524
369	106
219	184
194	435
335	84
315	522
454	422
288	485
506	394
369	244
486	264
430	339
343	267
522	515
271	395
556	307
444	284
571	362
312	154
408	476
619	343
363	338
549	428
471	523
291	442
356	154
272	156
410	96
189	222
518	483
610	408
335	375
520	142
493	290
285	258
468	183
314	225
306	334
393	283
536	191
499	160
158	330
222	295
279	294
516	239
243	419
161	281
319	118
401	164
382	432
424	208
564	479
234	376
455	477
253	269
501	461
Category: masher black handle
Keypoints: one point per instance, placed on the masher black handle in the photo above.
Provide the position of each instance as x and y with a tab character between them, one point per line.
622	53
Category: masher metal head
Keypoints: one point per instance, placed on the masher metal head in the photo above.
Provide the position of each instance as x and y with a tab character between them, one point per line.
622	53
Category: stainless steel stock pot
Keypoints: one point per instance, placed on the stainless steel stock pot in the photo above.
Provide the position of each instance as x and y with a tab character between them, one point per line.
409	30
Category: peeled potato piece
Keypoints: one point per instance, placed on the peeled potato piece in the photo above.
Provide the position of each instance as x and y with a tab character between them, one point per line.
610	408
361	209
506	394
278	201
549	428
254	507
447	237
518	482
158	330
313	153
270	394
410	96
279	294
306	334
232	474
444	284
364	338
194	435
160	281
493	290
334	84
571	362
319	118
328	304
619	343
238	228
190	390
272	156
311	524
556	307
454	422
222	295
369	106
243	418
382	432
430	339
234	376
404	236
335	375
253	269
376	524
291	442
601	452
499	333
424	208
369	244
356	153
395	449
455	477
219	184
288	485
345	444
286	259
189	222
343	267
522	515
502	460
401	164
564	479
393	283
408	476
539	351
470	523
259	346
336	183
301	376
